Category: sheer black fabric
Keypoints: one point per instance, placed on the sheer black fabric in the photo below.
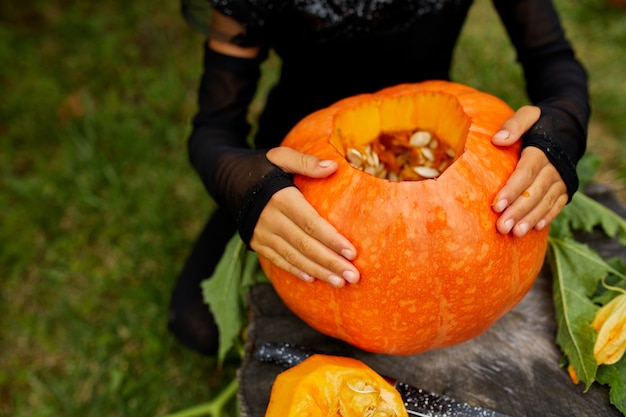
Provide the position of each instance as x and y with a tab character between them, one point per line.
230	171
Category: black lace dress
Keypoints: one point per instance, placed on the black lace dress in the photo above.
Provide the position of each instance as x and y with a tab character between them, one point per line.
334	49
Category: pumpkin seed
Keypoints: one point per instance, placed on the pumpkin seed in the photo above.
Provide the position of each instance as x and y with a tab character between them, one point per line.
362	387
370	169
420	138
428	154
392	176
426	172
415	156
354	157
372	158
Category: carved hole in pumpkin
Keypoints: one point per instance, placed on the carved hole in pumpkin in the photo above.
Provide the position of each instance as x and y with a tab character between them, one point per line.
365	135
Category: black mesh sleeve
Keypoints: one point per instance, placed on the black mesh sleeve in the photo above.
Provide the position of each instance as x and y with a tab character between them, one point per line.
237	177
555	81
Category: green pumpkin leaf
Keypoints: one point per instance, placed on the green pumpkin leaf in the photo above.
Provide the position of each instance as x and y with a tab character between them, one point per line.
579	275
615	377
616	279
225	293
587	168
584	214
576	271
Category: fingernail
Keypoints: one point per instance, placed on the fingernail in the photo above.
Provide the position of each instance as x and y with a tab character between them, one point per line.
500	206
522	228
306	277
336	281
347	253
325	163
540	225
350	276
508	225
502	135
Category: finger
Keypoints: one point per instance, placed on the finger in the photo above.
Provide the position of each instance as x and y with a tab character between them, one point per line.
303	239
540	203
289	258
554	211
294	205
513	128
276	259
318	260
293	250
296	162
541	214
512	218
531	162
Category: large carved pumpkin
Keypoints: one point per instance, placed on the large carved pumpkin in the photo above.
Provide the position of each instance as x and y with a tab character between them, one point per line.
434	270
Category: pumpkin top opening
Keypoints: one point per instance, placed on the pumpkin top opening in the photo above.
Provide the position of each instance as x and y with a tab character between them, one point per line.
356	129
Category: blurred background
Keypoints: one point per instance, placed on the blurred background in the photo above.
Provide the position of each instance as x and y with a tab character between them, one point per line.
99	205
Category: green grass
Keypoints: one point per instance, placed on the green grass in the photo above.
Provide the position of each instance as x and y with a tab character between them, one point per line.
100	206
99	209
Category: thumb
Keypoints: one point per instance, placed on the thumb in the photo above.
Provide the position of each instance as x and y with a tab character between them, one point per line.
295	162
516	126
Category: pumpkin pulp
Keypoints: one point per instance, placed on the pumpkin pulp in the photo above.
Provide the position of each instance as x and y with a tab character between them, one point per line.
333	386
403	156
385	129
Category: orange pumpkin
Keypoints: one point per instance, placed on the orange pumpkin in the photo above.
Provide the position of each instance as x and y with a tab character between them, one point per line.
434	270
327	386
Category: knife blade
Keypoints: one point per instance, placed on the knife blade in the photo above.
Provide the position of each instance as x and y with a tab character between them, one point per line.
417	401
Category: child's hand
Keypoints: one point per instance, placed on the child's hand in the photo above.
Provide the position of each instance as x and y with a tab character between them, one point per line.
534	194
294	237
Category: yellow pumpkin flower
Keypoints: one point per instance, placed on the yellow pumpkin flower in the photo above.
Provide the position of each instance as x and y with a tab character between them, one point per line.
572	374
610	324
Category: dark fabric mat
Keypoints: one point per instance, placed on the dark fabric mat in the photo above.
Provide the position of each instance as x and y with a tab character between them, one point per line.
513	368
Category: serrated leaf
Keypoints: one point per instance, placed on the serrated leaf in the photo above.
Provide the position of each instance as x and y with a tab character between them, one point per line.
576	271
252	274
225	292
580	279
615	377
584	214
587	168
615	279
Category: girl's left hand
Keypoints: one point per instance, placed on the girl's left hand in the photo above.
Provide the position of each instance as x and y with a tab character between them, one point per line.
534	194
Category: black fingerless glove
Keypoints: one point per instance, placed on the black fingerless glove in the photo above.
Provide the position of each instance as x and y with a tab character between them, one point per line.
256	199
557	138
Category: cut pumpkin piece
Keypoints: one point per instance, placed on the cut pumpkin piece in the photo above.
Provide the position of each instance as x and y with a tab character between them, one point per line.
333	386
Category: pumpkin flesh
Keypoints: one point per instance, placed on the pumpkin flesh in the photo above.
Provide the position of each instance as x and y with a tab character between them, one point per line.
434	270
333	386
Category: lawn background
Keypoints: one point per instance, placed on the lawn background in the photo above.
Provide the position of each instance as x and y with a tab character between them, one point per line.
99	204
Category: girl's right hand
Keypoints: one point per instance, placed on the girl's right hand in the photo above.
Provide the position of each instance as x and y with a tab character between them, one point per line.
293	236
